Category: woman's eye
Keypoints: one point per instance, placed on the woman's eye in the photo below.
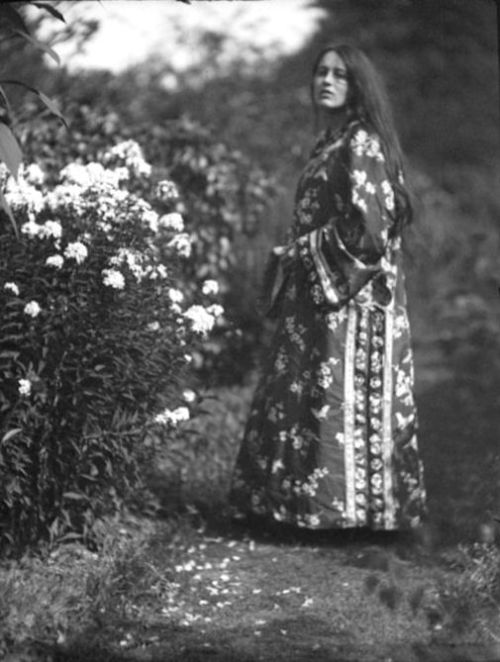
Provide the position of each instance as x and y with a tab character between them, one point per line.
337	73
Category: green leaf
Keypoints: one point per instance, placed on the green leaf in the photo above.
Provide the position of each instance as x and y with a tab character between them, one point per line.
5	99
40	45
10	434
75	496
5	206
13	17
50	103
52	106
10	152
50	9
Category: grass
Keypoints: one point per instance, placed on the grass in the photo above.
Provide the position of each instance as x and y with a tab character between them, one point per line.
185	585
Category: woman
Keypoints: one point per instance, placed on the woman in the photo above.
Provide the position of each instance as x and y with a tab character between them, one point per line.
331	437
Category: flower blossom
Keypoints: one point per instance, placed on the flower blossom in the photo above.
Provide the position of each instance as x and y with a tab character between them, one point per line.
176	296
50	229
31	228
215	309
173	416
134	260
150	217
32	308
131	154
189	395
24	387
33	174
201	320
65	195
210	287
113	278
166	191
92	174
55	261
11	287
154	326
161	271
172	221
77	251
21	194
182	244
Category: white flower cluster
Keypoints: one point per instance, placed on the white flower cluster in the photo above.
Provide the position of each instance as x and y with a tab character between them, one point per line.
32	308
131	154
203	319
181	243
93	173
173	417
172	222
113	278
65	197
133	259
22	195
76	251
210	287
32	173
24	387
49	229
175	295
166	191
55	261
137	263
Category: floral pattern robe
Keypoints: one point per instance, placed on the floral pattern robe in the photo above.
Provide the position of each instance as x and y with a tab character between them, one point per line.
331	437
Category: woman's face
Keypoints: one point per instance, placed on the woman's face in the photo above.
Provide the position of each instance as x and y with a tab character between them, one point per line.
330	85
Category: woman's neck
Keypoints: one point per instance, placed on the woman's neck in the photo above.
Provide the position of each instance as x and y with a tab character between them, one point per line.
331	119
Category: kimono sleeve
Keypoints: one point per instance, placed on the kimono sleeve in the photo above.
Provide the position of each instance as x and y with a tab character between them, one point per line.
342	256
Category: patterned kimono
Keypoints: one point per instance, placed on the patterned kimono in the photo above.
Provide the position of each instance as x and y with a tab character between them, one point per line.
331	437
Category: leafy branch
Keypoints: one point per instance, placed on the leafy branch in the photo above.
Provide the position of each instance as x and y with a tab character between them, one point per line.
13	25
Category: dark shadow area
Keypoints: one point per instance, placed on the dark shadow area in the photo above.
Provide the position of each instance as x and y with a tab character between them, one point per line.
459	435
308	638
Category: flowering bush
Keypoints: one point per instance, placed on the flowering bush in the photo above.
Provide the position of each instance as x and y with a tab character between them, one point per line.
222	197
97	330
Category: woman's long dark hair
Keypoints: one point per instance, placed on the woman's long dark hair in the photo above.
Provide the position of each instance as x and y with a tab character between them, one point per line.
367	101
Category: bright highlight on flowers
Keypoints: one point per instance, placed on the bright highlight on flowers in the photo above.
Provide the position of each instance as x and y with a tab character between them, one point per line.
33	174
32	308
173	417
172	222
77	251
201	321
166	191
24	387
55	261
210	287
189	395
113	278
182	244
50	229
175	296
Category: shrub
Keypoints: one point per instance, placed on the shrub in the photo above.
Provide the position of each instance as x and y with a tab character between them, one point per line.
97	333
224	199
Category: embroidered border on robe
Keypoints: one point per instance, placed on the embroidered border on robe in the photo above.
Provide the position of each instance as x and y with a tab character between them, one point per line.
387	440
349	416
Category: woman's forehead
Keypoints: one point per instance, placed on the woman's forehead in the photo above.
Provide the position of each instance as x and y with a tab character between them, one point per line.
331	59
